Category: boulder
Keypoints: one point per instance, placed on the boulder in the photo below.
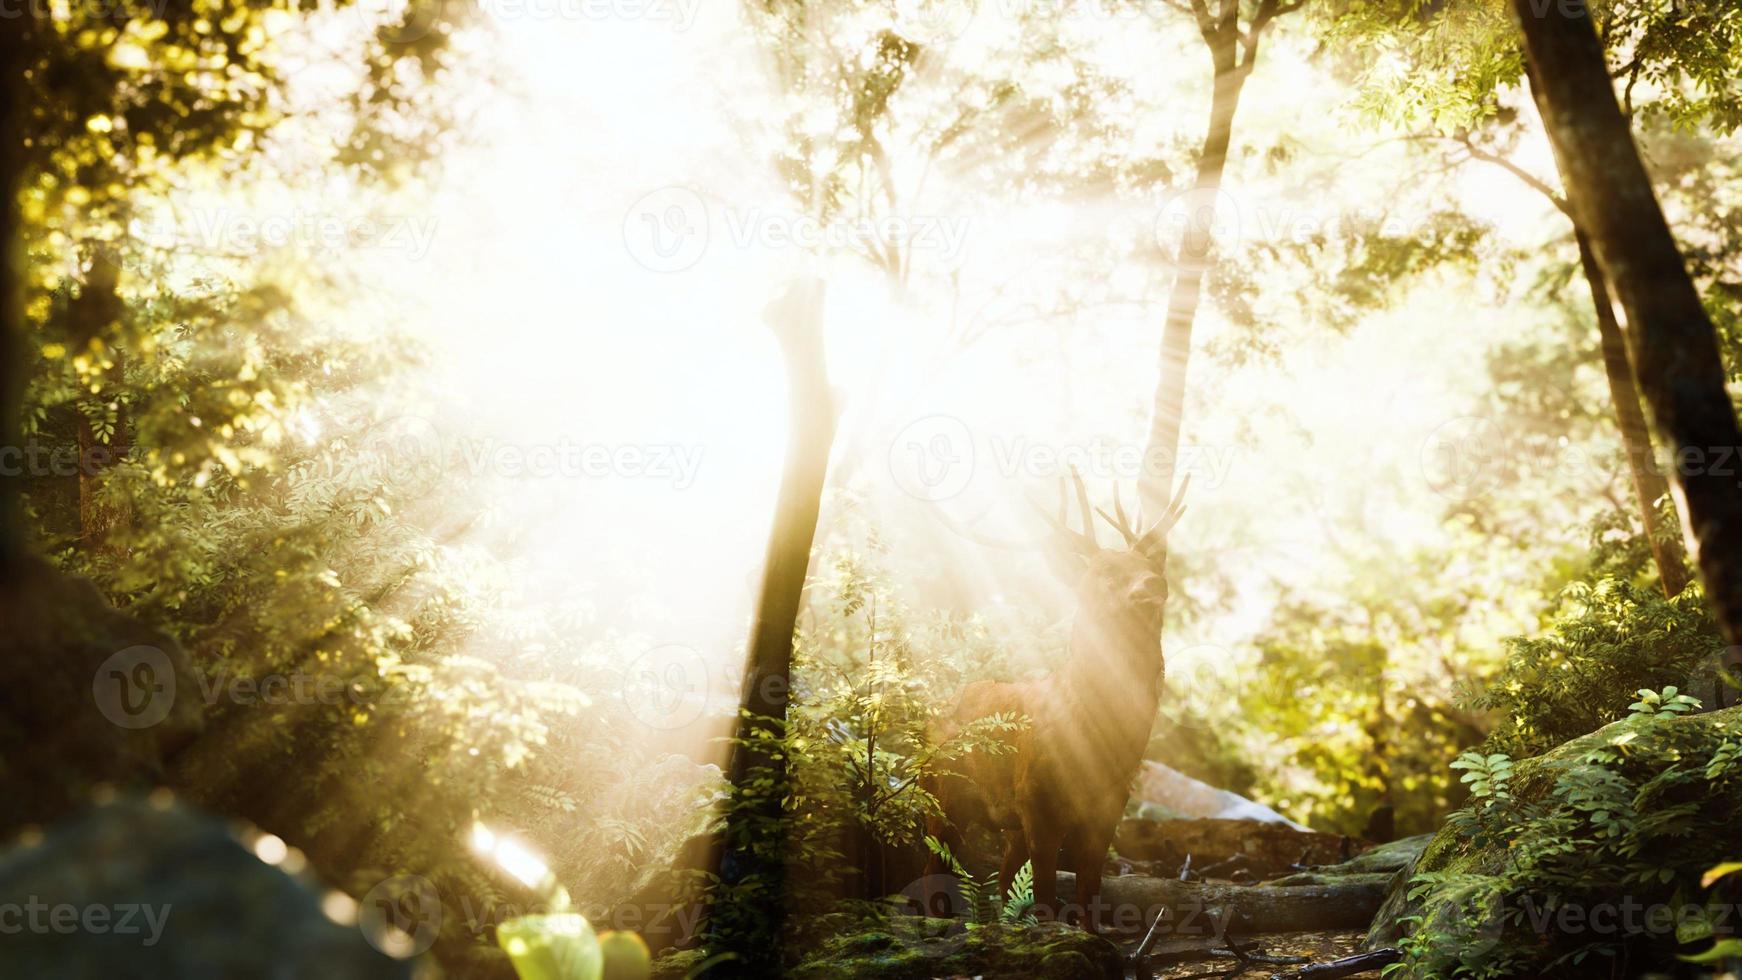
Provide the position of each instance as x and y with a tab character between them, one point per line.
1648	748
149	888
88	696
1191	798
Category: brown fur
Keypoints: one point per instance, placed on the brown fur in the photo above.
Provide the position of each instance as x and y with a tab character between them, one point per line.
1065	785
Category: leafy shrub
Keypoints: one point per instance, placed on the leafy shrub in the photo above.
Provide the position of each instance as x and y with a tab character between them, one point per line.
1608	637
988	901
1587	859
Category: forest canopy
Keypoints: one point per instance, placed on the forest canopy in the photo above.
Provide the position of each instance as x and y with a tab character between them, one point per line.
663	488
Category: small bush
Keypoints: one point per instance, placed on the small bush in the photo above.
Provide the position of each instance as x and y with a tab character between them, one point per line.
1608	638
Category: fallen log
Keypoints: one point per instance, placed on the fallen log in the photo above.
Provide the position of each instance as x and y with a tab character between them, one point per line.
1267	849
1131	902
1346	966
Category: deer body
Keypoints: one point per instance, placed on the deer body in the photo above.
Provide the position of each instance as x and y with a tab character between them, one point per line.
1064	785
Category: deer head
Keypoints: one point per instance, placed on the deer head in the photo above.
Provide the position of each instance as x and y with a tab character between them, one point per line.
1124	586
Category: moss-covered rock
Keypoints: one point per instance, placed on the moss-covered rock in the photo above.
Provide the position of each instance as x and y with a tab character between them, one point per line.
678	964
1384	858
920	949
1598	831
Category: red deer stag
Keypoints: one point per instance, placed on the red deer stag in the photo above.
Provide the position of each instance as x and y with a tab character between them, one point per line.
1067	778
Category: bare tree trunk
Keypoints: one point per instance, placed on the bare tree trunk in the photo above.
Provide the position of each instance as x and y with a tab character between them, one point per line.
797	322
1674	346
1193	261
1649	485
1233	52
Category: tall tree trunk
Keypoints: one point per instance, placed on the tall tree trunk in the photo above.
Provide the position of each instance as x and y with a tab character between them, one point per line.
1674	346
1649	485
1233	52
1193	261
12	29
797	322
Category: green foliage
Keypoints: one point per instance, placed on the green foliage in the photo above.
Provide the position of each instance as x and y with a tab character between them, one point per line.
1666	701
990	901
560	946
1544	856
1486	776
856	746
1607	637
1445	64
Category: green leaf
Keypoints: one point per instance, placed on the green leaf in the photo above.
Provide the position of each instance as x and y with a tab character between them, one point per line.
1712	874
1723	949
551	947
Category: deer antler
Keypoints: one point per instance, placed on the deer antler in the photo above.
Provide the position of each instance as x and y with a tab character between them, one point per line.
1120	522
1082	541
1153	542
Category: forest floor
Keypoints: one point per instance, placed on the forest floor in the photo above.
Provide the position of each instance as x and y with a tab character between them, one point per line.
1310	947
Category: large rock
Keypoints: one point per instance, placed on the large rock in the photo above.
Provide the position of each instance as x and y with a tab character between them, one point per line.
148	890
88	696
1652	746
1191	798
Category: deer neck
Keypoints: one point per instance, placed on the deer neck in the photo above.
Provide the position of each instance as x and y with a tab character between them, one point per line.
1116	659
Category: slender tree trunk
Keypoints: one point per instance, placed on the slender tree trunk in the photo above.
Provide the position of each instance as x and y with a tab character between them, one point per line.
1649	485
1195	248
797	321
12	30
1674	346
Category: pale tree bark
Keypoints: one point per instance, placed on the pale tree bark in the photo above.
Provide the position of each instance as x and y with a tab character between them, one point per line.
1233	52
1673	342
797	321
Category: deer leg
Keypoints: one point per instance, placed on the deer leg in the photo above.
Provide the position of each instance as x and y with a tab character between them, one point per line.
1043	850
1088	854
1015	856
